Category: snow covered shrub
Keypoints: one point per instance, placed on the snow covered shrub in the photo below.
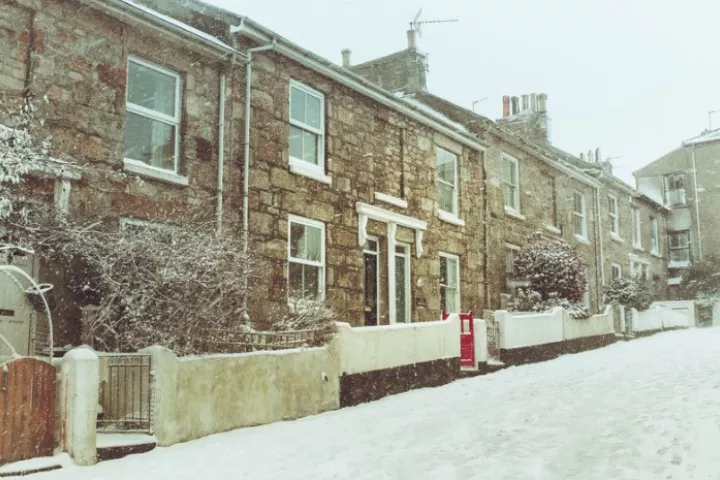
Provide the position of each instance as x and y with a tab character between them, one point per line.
155	285
629	292
313	315
553	269
702	280
556	278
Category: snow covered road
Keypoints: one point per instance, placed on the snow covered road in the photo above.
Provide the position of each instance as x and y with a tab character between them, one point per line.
646	409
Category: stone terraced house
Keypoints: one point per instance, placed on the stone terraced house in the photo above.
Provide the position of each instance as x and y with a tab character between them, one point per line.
392	207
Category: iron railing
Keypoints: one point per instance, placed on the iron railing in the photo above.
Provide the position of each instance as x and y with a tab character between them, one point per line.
126	393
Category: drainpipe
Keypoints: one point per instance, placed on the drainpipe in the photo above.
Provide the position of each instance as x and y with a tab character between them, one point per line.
221	150
486	226
599	236
697	203
246	159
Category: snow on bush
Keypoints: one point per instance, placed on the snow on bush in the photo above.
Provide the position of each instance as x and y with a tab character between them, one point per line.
313	315
629	292
702	280
556	277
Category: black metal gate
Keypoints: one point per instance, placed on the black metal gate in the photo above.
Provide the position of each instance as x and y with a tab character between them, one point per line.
126	393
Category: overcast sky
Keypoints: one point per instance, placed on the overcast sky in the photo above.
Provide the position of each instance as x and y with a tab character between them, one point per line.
632	77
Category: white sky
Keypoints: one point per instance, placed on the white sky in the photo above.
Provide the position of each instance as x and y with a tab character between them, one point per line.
632	77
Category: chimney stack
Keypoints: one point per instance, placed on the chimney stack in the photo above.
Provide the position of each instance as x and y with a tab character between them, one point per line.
542	102
582	156
506	106
346	57
590	157
533	102
525	106
412	44
514	105
598	159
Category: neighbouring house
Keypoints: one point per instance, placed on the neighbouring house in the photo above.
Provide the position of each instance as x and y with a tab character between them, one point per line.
686	180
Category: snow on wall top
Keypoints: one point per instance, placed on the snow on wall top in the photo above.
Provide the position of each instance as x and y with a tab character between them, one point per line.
179	24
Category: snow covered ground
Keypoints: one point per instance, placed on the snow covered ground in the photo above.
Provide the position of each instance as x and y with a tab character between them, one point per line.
646	409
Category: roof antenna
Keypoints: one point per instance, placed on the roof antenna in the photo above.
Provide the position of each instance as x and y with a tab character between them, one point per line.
416	22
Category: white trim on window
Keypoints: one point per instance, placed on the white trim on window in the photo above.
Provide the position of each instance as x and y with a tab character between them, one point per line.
614	214
654	236
142	168
408	299
172	120
439	151
294	219
637	228
454	258
316	170
582	235
616	267
378	267
512	183
384	197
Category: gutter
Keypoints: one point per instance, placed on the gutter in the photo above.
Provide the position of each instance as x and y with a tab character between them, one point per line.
354	82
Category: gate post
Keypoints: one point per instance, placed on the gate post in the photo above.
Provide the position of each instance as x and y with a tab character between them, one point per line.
80	373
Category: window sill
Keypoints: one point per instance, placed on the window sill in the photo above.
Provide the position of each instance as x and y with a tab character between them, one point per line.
581	239
384	197
450	218
656	254
638	248
679	264
514	213
145	170
305	169
616	238
553	229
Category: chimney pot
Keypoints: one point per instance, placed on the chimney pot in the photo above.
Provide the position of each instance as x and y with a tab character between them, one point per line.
542	102
515	107
598	159
411	39
506	106
346	57
582	156
533	102
525	106
590	156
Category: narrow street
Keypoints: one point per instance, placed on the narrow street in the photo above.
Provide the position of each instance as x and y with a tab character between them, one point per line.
645	409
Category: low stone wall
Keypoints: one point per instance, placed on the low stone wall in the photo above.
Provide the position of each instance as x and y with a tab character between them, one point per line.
381	361
535	337
199	396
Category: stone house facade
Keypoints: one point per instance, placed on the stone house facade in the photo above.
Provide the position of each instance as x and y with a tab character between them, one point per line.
687	181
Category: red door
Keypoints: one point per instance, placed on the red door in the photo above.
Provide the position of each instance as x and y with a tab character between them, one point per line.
467	339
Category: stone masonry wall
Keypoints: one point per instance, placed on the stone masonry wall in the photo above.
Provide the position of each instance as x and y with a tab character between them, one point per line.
369	149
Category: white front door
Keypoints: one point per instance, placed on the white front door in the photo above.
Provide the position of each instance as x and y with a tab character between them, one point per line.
15	311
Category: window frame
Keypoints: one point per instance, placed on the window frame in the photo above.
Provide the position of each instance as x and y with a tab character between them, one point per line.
516	195
582	215
407	290
654	236
455	258
613	267
637	228
378	286
455	197
667	180
686	247
307	222
154	115
298	165
614	214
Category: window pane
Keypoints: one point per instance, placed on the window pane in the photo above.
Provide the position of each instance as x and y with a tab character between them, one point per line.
400	290
452	273
577	198
303	281
313	243
509	194
149	141
296	142
451	300
310	147
506	175
297	104
579	225
305	242
445	197
446	166
312	112
151	89
297	240
371	246
443	270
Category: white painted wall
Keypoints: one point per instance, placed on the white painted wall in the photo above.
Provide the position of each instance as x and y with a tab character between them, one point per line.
716	313
683	306
597	325
481	345
79	391
658	317
367	349
519	330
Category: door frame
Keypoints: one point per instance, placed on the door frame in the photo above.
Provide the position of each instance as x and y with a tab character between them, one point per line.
371	238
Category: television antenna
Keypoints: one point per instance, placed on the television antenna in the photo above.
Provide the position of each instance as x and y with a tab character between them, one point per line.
416	22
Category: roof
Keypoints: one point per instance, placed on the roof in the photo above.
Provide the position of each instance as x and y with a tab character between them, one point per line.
705	137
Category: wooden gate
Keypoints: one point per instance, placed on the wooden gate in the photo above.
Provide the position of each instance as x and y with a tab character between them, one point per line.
467	339
27	409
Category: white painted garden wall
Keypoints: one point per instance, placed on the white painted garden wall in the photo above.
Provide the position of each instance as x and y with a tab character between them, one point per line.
366	349
520	329
481	340
527	329
716	313
659	316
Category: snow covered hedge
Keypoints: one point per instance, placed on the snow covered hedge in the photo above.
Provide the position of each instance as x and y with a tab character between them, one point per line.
556	278
629	292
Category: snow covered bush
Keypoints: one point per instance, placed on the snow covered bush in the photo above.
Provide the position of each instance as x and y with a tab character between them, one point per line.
556	277
313	315
629	292
154	285
702	280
